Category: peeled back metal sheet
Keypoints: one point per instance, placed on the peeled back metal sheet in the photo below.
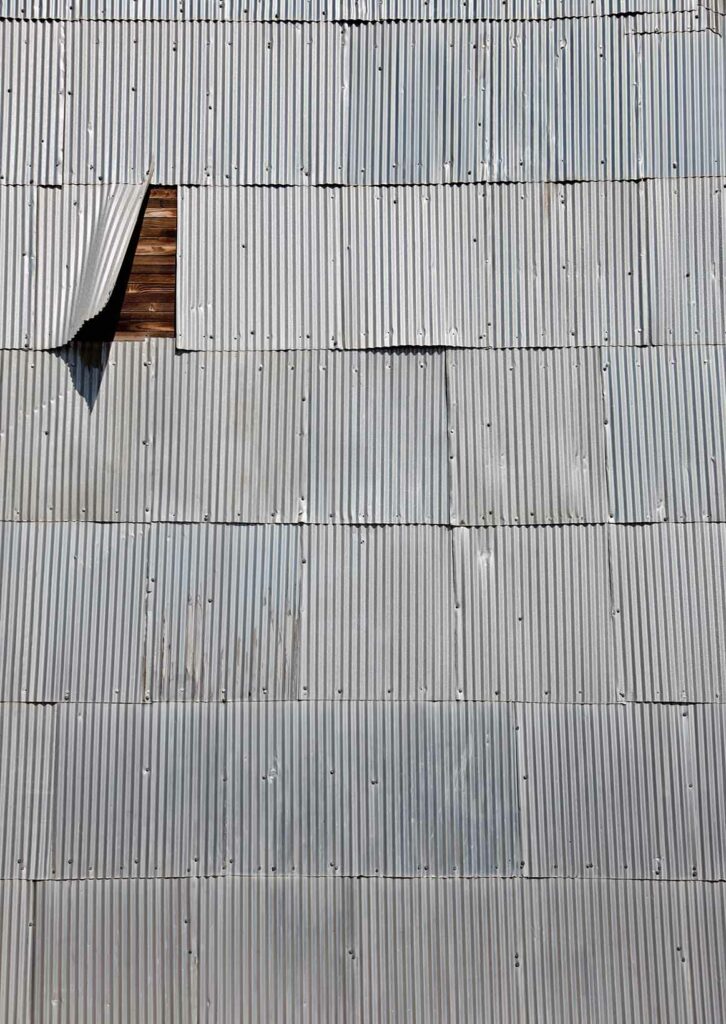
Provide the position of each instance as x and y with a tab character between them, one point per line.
320	788
526	438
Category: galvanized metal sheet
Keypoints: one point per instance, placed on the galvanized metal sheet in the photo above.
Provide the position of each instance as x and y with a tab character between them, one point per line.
116	952
259	269
709	781
666	433
288	787
27	752
533	614
223	614
377	614
231	438
377	438
74	434
526	438
72	602
196	103
669	603
17	255
16	941
32	85
613	791
83	234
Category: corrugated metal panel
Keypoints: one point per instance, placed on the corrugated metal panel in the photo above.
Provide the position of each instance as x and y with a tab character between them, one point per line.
224	612
74	431
526	438
318	788
31	103
669	600
377	614
377	434
259	269
17	256
117	952
686	248
608	791
471	10
230	104
27	744
71	611
709	779
36	9
230	440
16	943
141	791
534	620
84	233
667	433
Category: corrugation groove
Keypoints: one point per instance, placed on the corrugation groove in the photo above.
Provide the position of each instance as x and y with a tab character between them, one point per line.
666	437
669	583
27	744
616	791
533	614
31	102
526	438
344	788
326	950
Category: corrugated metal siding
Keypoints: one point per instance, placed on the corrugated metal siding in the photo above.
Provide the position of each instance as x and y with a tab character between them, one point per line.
259	269
71	611
117	952
377	617
31	103
16	942
526	438
344	788
229	104
377	438
533	614
27	744
666	433
224	616
471	10
669	600
74	434
709	779
326	950
83	235
18	258
614	791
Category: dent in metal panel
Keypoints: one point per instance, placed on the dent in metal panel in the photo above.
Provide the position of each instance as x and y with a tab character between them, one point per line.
666	433
16	942
377	614
669	605
83	235
223	613
31	102
74	434
526	438
18	259
140	790
373	788
377	437
27	746
533	614
231	437
259	269
203	102
71	611
117	951
608	791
